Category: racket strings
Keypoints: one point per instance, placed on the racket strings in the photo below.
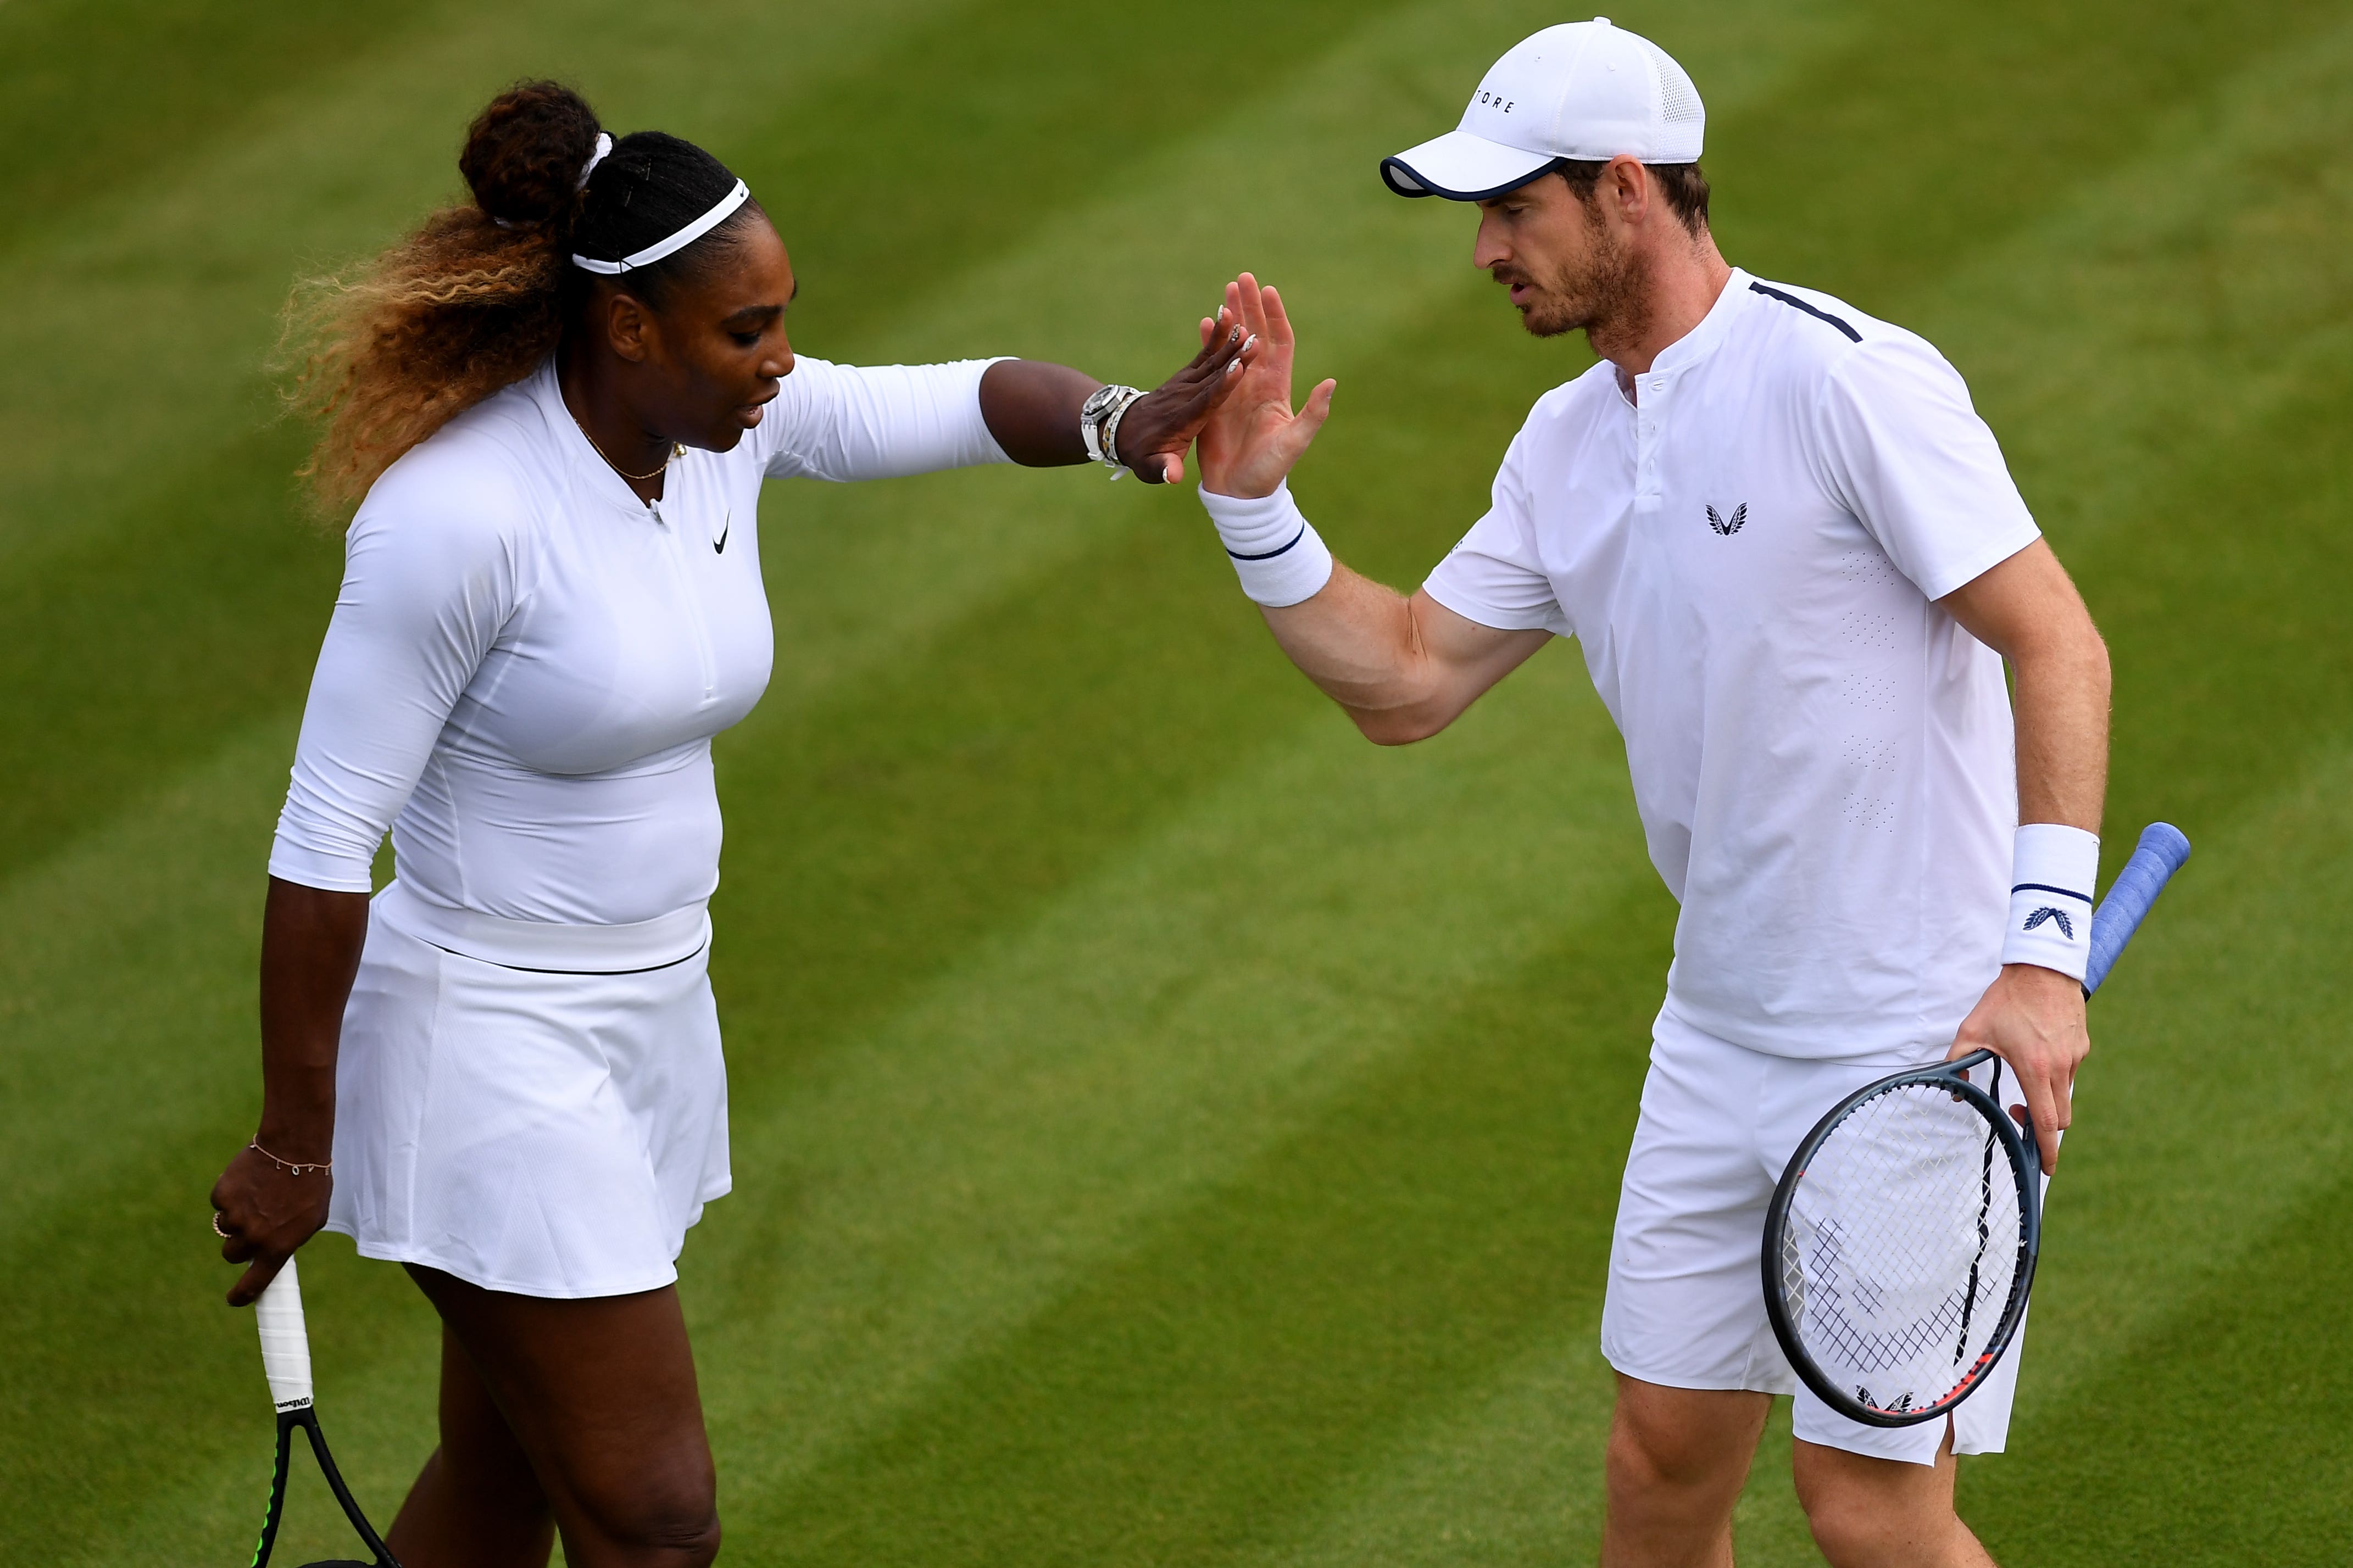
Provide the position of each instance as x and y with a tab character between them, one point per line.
1902	1246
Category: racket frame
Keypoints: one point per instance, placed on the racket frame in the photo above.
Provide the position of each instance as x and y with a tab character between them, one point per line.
2019	1149
2161	851
286	1363
306	1420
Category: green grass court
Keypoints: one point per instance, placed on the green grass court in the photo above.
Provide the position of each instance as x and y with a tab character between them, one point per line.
1169	1131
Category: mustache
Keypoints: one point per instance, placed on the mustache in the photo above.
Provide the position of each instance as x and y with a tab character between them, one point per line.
1509	275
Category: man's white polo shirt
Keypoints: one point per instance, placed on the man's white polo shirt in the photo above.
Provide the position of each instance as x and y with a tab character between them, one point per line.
1748	552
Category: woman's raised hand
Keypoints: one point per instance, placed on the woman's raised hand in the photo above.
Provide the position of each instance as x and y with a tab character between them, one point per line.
1252	436
1159	425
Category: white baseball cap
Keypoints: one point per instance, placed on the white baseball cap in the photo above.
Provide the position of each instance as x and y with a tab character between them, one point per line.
1582	89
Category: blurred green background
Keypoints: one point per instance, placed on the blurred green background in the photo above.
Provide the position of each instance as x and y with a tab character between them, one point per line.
1168	1130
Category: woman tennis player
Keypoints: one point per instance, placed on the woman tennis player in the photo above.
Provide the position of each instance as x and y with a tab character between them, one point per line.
559	403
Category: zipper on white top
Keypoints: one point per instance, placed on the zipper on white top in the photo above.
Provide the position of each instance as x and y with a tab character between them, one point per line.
693	604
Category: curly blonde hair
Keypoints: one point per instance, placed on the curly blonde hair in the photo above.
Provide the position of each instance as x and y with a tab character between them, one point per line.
385	355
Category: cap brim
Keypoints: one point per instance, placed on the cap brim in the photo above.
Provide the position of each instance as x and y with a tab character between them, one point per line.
1461	168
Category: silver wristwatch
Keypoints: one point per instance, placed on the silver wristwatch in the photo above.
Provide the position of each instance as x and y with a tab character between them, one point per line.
1099	418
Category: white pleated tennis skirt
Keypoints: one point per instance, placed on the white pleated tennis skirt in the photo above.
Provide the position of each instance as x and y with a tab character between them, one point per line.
532	1108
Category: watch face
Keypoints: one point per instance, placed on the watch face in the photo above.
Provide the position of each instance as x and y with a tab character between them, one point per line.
1097	401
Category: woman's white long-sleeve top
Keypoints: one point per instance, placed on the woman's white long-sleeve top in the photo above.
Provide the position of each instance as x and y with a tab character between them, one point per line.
527	663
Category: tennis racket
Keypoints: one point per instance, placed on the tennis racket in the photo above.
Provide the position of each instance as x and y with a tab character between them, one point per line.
286	1362
1902	1237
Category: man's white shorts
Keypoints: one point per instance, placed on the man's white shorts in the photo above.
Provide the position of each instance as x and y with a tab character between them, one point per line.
1687	1303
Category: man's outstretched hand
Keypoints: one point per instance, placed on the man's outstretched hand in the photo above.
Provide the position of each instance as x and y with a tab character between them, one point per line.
1251	437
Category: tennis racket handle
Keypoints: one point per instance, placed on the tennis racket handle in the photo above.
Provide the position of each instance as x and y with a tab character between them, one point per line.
2155	859
285	1344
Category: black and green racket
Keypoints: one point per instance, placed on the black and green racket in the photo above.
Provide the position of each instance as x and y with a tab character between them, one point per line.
286	1362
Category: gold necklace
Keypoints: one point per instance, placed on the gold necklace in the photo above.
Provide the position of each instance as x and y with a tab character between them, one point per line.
677	450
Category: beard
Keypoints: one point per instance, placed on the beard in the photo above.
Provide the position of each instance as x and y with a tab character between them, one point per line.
1602	295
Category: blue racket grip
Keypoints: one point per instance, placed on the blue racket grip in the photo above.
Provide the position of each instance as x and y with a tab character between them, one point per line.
2155	859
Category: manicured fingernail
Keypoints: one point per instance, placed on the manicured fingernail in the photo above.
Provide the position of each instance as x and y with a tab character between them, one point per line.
1232	365
1251	345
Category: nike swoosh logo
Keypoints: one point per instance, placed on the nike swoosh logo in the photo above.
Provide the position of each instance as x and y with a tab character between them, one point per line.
719	545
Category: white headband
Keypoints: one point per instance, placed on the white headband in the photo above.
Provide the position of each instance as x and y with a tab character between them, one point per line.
603	145
679	241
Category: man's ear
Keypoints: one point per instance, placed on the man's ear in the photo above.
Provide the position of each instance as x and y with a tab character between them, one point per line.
1626	185
628	326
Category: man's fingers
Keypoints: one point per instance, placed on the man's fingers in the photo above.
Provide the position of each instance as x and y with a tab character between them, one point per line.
1300	431
1277	323
1319	401
1311	418
1252	301
2043	1106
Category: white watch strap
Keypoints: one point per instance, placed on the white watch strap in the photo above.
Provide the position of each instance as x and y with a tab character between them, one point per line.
1099	427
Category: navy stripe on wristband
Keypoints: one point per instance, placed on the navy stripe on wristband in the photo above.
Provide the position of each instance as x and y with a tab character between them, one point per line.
2037	886
1272	553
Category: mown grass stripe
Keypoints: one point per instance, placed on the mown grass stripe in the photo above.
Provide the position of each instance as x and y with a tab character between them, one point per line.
2223	1438
131	945
1205	1386
2165	305
90	93
1898	170
1149	1029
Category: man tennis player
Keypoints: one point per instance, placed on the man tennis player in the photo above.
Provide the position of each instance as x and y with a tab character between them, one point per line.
1796	561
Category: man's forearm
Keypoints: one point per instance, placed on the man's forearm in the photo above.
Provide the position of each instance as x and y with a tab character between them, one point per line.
2062	702
1357	639
1403	667
2027	610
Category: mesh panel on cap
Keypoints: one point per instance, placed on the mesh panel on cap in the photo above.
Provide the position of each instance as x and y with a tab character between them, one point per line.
1678	99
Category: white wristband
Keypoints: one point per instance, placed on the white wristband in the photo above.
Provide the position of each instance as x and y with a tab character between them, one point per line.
2051	871
1277	554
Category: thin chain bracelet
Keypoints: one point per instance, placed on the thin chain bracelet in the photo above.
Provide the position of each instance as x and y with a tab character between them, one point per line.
291	1167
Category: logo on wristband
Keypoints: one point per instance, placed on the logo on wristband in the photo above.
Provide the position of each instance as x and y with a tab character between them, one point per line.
2066	926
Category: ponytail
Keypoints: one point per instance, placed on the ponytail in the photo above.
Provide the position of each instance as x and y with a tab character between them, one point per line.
477	298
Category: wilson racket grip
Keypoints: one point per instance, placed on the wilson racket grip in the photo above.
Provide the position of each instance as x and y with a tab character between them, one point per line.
285	1344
